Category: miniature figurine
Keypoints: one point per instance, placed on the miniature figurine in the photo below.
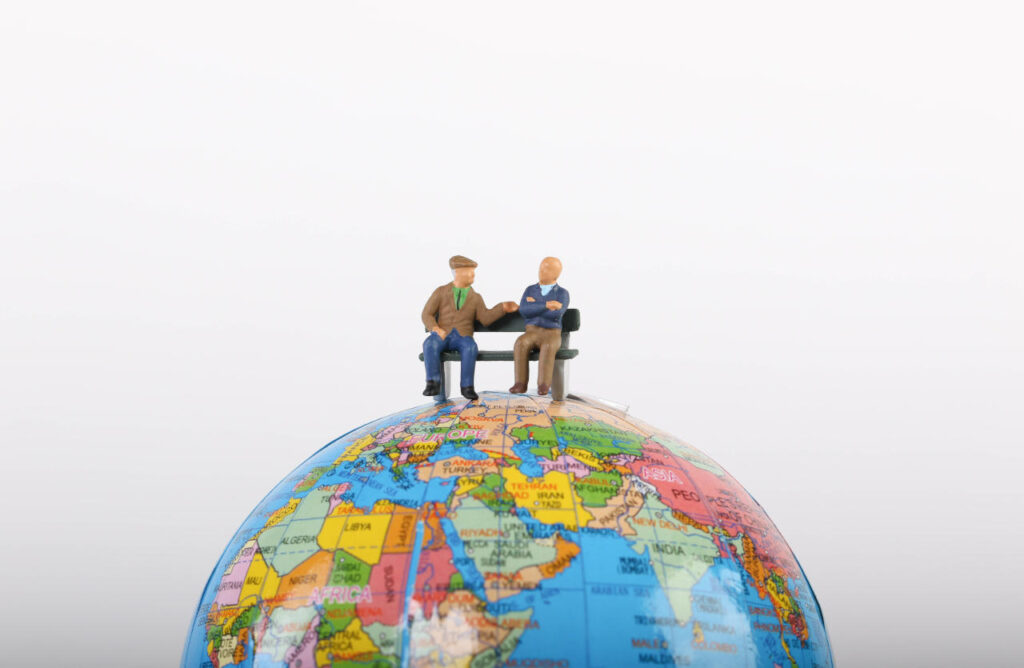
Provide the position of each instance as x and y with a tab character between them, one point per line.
542	307
449	315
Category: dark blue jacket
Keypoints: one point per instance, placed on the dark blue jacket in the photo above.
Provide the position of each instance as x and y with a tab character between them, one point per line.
536	313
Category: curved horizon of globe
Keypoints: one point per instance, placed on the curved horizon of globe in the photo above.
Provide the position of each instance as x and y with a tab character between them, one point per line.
489	532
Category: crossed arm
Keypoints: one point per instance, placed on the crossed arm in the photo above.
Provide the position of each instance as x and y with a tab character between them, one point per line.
551	309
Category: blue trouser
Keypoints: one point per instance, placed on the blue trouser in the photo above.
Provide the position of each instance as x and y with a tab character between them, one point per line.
434	346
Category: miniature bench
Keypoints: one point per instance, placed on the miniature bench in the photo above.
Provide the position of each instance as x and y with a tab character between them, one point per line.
513	322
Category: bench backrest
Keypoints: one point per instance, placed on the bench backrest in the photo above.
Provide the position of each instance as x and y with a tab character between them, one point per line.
514	322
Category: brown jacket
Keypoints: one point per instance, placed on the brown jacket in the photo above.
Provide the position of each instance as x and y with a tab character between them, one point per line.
440	311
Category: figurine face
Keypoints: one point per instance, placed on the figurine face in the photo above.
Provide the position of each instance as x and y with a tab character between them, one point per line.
550	270
464	277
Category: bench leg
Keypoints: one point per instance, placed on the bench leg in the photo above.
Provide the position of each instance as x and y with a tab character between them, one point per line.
446	378
558	381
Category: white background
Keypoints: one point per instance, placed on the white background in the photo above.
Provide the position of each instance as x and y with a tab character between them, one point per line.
794	232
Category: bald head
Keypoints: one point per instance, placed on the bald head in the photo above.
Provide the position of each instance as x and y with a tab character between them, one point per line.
550	270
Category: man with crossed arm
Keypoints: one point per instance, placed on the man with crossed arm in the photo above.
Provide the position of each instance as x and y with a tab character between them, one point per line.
542	307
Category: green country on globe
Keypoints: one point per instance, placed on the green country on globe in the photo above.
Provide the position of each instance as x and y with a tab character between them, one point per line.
510	531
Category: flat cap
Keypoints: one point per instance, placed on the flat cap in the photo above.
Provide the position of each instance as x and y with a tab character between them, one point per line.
459	261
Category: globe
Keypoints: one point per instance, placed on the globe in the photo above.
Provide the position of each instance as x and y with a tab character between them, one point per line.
513	531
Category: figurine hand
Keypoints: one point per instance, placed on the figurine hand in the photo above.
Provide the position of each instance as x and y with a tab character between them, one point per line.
510	307
553	305
440	332
530	299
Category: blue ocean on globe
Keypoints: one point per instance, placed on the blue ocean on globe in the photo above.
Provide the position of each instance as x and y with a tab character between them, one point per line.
509	531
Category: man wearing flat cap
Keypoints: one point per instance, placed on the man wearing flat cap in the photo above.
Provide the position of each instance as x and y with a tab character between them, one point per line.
449	315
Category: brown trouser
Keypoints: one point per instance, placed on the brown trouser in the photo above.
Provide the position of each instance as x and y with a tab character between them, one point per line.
549	341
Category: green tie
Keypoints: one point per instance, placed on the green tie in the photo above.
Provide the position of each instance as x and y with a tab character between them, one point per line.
460	296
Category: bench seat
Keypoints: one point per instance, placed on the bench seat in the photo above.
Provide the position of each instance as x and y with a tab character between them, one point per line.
505	355
513	322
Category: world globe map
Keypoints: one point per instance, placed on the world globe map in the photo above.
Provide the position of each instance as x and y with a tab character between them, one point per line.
509	531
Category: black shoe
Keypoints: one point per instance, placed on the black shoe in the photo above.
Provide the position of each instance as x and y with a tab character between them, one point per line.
433	389
470	393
